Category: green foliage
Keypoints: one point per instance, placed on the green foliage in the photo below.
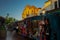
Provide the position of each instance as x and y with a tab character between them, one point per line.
2	28
9	20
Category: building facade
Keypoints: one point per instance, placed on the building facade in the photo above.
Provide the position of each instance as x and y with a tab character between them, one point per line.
54	4
30	11
50	5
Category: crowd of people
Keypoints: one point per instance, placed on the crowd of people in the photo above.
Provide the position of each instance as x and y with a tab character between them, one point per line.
43	32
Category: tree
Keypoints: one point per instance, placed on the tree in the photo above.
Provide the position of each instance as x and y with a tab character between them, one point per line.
9	19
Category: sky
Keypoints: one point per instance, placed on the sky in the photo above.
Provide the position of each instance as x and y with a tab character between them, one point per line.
16	7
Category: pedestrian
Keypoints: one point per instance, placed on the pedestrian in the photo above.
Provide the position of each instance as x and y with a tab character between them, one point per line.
41	29
17	29
47	29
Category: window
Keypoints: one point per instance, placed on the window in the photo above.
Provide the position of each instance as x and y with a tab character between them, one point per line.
55	4
59	3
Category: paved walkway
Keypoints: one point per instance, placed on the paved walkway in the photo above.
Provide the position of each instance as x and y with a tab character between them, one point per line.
14	36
